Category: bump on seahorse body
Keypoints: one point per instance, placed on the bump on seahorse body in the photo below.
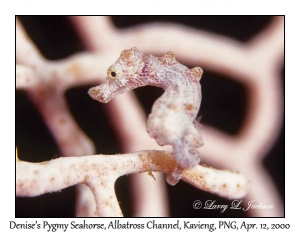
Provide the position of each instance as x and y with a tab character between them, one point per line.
195	73
130	56
168	59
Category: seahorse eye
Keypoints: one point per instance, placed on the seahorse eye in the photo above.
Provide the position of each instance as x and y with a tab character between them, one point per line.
112	74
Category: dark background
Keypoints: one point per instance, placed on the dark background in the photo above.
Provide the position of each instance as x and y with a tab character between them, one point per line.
223	106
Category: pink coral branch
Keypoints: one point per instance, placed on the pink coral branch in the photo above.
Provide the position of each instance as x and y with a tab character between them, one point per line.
25	77
27	53
258	133
99	33
45	83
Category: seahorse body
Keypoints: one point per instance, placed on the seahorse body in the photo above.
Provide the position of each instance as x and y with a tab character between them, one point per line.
172	119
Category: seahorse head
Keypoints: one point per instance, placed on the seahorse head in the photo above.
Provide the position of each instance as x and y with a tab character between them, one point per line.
122	76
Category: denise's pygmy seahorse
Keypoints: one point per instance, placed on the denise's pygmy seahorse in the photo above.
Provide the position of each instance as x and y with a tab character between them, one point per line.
172	119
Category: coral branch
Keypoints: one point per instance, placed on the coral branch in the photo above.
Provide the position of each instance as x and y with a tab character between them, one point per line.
45	83
100	26
27	53
25	77
100	172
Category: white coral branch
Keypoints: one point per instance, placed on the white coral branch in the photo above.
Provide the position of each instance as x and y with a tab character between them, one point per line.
100	172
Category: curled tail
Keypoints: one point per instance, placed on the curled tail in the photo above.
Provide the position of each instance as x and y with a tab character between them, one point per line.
186	157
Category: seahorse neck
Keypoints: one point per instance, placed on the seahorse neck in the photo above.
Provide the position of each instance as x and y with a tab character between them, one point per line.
172	83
